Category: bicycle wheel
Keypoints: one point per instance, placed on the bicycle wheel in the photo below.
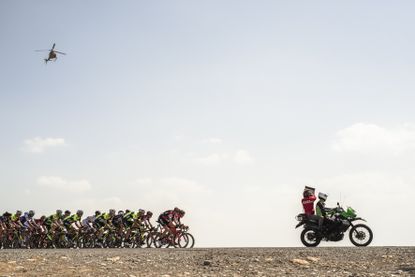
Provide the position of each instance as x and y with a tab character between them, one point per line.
150	239
140	240
161	241
191	240
182	240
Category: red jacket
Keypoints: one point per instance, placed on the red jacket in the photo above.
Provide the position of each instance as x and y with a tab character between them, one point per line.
308	204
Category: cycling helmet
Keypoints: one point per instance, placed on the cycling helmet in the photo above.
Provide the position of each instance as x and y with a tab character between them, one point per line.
79	212
112	212
97	213
18	212
7	214
120	212
31	213
127	211
149	214
59	212
141	211
322	196
176	210
67	212
182	212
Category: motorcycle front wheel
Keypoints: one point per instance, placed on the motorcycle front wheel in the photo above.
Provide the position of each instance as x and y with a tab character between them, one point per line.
361	235
310	238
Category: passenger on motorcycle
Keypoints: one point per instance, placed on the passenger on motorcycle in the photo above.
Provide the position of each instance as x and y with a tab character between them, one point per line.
308	200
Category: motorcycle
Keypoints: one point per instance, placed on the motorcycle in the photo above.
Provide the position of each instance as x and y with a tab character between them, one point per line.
334	228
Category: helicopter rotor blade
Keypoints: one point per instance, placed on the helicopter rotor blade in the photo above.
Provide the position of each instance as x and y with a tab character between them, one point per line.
59	52
42	50
53	47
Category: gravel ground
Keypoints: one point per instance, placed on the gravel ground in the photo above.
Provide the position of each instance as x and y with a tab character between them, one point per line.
342	261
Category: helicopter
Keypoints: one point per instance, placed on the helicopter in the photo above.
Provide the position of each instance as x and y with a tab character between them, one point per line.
52	53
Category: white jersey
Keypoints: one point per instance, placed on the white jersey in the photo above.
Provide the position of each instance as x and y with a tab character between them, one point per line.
87	222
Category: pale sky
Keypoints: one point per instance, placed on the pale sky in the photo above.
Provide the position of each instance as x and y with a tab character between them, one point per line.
226	109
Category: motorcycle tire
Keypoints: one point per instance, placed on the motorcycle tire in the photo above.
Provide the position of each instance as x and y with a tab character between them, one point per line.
310	234
360	235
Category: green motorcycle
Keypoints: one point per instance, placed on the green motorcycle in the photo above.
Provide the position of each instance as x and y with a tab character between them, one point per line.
335	225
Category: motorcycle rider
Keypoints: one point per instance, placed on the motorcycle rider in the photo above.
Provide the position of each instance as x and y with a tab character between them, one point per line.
321	210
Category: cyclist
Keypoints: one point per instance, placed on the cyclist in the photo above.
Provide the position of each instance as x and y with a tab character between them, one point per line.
88	222
27	220
133	221
53	222
50	220
5	222
170	220
128	218
15	220
73	222
40	224
66	214
103	220
118	221
147	218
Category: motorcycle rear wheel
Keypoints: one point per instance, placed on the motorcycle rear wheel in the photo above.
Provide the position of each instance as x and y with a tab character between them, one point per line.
359	233
310	238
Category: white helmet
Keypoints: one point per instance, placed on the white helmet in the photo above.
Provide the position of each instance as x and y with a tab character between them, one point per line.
322	196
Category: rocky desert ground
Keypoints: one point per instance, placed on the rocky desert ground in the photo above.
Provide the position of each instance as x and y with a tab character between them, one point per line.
332	261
